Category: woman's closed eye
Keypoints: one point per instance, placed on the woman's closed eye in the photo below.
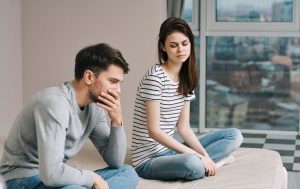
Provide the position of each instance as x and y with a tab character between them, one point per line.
185	43
173	45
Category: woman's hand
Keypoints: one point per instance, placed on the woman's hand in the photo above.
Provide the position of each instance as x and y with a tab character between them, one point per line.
209	165
99	183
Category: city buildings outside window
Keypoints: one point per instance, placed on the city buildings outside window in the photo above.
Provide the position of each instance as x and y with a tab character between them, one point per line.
249	67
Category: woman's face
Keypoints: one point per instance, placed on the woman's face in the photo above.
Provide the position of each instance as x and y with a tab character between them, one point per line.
178	47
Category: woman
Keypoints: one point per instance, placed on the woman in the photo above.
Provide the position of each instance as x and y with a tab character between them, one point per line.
162	103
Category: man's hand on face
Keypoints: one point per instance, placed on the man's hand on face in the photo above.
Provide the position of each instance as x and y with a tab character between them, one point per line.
111	102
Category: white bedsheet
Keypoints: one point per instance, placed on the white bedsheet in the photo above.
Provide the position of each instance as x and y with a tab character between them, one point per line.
253	169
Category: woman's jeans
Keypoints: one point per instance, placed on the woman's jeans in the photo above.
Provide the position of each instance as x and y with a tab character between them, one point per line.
173	166
124	177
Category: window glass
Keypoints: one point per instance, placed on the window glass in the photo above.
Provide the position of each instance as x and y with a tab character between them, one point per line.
188	11
253	82
254	11
191	14
194	110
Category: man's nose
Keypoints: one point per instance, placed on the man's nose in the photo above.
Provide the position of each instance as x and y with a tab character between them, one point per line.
117	89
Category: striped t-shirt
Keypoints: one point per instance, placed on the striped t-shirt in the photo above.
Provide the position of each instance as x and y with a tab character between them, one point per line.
155	85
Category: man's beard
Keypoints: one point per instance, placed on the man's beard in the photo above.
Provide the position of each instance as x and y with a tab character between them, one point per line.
95	99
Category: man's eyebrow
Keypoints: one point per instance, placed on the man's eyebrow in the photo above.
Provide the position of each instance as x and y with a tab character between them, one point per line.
116	79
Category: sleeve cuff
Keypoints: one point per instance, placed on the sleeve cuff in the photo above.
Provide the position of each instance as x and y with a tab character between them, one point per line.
116	127
89	177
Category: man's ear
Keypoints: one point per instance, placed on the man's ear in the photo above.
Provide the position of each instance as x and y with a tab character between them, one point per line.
89	77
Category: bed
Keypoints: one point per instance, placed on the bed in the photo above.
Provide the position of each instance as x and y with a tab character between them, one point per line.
253	169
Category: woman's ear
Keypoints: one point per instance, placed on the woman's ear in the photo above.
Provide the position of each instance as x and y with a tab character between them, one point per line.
163	47
89	77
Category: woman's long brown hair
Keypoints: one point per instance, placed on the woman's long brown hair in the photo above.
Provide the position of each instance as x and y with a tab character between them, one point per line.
188	75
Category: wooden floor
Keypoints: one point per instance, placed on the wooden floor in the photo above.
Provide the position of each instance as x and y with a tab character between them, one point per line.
293	180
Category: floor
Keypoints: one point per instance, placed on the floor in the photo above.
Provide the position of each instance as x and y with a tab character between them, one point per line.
293	180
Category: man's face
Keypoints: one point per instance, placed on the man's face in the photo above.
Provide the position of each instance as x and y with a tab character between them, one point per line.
107	79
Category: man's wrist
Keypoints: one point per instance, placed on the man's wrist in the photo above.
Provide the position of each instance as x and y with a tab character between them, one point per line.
117	123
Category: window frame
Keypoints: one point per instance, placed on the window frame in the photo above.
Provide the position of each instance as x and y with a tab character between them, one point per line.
207	29
195	24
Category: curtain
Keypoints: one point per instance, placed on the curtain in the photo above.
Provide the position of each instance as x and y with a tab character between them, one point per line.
175	8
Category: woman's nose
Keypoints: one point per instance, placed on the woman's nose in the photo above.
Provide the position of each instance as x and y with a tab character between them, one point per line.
179	49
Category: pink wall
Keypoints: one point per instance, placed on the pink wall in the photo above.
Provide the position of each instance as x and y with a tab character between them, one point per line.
10	63
54	30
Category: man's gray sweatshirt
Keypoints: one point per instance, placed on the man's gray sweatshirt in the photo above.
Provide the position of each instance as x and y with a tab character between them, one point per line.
52	129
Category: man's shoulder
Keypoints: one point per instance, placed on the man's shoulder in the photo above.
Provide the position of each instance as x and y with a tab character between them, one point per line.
52	96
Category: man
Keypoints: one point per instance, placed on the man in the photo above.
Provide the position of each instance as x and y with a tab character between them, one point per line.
55	123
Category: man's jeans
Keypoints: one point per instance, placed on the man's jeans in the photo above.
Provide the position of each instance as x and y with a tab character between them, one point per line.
125	177
173	166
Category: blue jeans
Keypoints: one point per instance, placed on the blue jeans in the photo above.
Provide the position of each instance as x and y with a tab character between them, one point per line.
125	177
173	166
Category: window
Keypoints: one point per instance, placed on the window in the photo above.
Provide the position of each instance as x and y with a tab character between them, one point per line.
194	115
249	60
253	82
254	15
254	11
191	13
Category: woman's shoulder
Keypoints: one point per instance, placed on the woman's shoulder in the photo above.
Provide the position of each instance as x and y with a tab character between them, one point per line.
153	76
155	70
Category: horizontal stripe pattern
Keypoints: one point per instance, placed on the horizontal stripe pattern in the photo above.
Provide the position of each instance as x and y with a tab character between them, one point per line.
155	85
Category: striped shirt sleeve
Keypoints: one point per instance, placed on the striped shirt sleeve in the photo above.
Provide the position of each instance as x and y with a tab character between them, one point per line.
151	87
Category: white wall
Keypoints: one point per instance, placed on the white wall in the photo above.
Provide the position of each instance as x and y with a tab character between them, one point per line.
10	63
53	31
